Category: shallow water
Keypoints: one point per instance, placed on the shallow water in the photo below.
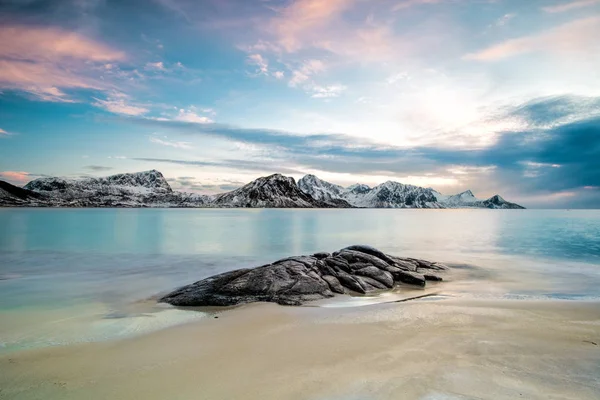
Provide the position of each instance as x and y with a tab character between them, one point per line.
72	275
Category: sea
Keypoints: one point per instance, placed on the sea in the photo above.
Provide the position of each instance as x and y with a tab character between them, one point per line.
84	275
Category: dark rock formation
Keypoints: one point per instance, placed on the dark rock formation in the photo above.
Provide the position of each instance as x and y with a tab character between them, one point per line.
295	280
11	195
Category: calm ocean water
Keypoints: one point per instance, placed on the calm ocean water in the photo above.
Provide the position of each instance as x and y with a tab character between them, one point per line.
71	275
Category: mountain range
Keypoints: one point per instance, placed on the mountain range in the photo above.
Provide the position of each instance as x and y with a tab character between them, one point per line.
151	189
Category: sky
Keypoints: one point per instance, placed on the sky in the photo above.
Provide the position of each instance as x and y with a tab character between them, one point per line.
496	96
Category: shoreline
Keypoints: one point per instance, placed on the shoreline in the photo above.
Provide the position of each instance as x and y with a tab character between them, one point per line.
421	349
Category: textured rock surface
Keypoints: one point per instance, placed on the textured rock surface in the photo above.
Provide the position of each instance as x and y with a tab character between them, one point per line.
295	280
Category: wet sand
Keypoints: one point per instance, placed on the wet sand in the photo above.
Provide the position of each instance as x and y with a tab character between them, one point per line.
446	349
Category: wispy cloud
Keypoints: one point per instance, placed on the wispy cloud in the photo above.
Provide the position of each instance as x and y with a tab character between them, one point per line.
97	168
44	61
32	43
572	5
43	81
331	27
575	36
262	64
305	71
178	145
191	115
321	92
296	24
119	103
156	66
262	166
160	68
505	19
204	186
4	134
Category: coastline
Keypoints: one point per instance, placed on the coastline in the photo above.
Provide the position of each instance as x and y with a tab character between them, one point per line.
426	349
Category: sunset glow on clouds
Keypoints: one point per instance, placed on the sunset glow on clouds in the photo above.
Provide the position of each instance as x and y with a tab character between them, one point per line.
427	92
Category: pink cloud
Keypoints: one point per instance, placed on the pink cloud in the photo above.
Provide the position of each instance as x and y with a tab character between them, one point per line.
570	6
46	61
301	18
50	43
411	3
365	44
17	177
43	80
575	36
337	26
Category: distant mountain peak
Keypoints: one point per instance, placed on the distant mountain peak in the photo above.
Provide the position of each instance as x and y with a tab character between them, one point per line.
272	191
320	189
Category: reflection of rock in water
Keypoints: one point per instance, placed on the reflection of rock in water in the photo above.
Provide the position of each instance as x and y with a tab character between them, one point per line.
474	271
120	315
295	280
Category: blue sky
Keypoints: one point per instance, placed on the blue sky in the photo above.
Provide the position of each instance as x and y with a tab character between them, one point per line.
496	96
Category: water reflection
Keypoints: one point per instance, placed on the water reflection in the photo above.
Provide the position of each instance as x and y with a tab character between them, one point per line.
276	233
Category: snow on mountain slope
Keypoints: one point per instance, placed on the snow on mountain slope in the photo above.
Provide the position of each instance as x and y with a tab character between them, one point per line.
391	195
274	191
463	198
135	183
320	190
397	195
140	189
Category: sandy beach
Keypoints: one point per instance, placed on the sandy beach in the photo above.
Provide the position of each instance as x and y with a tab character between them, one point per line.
445	349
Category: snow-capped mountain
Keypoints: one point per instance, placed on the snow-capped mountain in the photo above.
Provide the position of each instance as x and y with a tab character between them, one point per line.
396	195
320	190
140	189
274	191
139	183
391	195
150	189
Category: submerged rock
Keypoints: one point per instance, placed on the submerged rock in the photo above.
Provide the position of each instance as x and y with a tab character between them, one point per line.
295	280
